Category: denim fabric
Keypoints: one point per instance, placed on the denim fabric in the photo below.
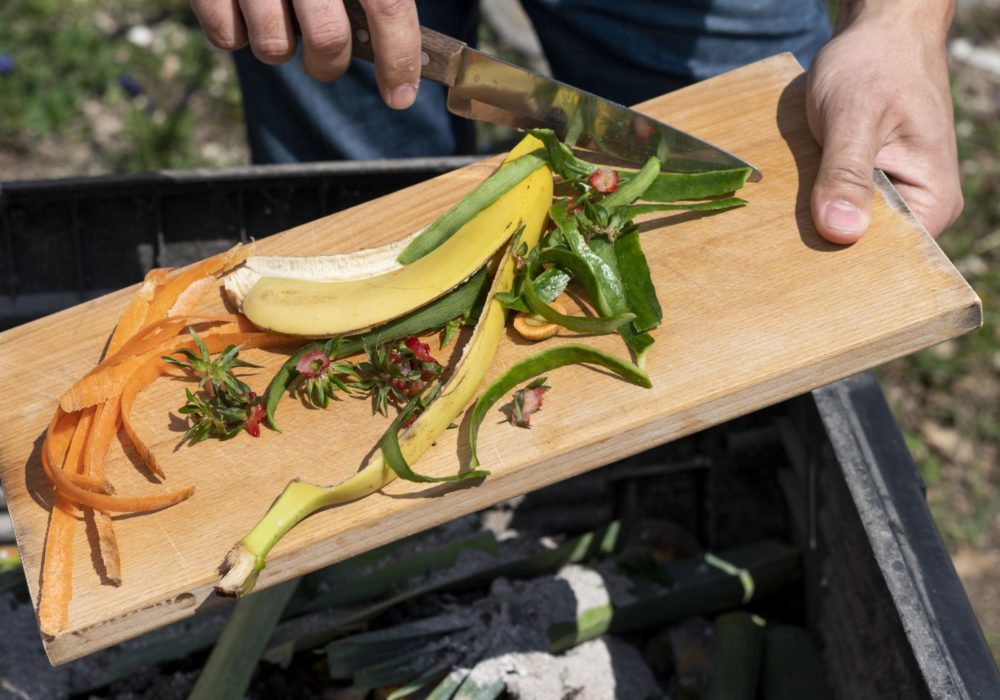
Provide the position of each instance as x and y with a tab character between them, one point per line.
626	51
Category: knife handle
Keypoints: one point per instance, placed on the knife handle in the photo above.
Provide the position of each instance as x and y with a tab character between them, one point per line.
440	55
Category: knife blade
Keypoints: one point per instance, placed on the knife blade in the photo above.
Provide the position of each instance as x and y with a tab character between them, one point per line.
485	88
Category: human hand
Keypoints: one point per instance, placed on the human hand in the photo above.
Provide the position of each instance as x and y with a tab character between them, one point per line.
269	28
878	97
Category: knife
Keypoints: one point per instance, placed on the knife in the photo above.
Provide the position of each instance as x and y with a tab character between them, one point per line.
486	88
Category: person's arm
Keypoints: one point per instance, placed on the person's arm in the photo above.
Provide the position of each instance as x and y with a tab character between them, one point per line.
879	97
326	37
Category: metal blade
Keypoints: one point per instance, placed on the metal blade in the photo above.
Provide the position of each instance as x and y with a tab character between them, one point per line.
492	90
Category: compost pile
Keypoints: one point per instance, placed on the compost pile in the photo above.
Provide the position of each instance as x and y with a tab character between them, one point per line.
665	575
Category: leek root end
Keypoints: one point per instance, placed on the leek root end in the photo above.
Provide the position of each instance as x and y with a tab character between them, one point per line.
239	571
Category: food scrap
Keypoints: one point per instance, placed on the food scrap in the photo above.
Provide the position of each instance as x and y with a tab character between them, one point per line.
526	402
508	245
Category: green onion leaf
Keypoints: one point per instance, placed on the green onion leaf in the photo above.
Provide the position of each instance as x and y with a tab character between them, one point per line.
633	188
633	210
485	194
639	290
539	364
561	158
577	324
671	187
393	455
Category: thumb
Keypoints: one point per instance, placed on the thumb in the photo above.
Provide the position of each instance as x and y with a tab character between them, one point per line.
842	194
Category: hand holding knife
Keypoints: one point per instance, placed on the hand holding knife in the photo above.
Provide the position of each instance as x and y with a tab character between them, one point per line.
485	88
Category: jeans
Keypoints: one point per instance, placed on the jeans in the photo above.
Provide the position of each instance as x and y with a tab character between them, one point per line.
624	50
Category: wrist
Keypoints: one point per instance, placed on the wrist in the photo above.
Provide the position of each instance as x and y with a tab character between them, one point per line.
926	19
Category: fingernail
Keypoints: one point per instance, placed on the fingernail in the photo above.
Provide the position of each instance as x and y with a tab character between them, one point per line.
402	96
843	216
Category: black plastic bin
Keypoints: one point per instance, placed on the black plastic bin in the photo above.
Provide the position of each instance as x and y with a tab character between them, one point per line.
881	597
66	241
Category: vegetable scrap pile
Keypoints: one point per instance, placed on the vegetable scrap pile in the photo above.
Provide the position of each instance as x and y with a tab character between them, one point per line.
508	245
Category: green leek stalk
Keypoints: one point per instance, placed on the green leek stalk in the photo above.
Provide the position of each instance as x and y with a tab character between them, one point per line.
697	588
738	646
230	666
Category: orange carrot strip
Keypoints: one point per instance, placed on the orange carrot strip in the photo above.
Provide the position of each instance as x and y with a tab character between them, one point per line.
81	496
57	570
59	434
107	545
174	287
70	433
189	299
149	336
106	420
134	316
58	438
73	463
141	378
154	333
108	379
111	504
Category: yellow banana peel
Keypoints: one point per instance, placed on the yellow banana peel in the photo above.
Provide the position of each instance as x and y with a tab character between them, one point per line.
322	308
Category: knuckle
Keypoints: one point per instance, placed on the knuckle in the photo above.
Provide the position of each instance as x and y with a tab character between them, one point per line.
403	64
220	33
853	175
948	200
391	9
329	39
228	41
273	49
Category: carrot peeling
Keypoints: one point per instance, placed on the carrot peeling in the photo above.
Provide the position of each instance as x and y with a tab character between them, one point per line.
135	313
57	570
107	418
108	378
84	425
111	504
57	561
107	545
176	285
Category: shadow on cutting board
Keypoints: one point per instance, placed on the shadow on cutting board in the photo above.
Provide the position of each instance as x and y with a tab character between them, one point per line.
791	120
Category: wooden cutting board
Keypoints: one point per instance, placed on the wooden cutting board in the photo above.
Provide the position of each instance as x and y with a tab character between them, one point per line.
758	308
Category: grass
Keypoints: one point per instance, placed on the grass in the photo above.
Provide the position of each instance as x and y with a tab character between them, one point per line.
127	86
947	399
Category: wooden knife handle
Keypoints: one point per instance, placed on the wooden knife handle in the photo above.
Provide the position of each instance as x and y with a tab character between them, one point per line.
440	54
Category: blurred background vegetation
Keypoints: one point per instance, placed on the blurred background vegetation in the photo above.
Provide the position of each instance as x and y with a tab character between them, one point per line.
90	87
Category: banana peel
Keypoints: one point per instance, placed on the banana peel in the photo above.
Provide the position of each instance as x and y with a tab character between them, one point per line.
325	268
247	558
324	308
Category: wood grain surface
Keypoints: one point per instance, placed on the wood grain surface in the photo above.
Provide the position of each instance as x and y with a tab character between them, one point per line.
757	308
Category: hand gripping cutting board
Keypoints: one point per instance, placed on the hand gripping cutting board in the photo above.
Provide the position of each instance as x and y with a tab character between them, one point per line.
758	308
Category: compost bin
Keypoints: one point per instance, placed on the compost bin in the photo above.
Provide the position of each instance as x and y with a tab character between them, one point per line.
826	474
